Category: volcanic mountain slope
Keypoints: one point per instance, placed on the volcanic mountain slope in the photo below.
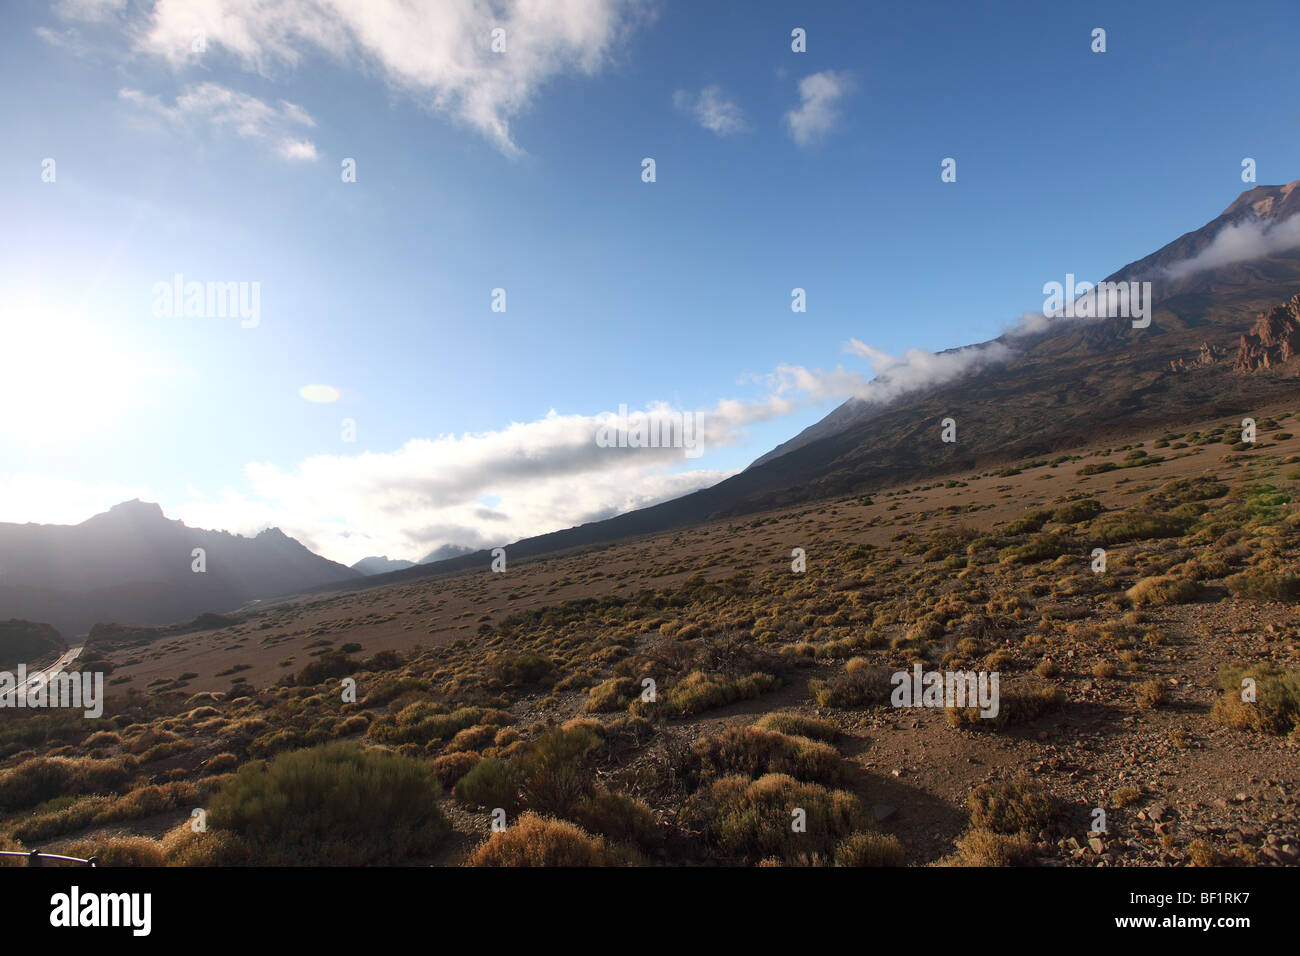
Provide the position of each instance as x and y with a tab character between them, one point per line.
1073	381
131	565
1199	308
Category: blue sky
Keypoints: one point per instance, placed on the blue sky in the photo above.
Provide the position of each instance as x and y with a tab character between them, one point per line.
522	170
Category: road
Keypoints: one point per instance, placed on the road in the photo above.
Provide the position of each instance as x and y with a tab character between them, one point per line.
68	657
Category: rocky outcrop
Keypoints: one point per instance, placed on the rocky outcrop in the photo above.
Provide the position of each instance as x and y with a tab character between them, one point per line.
1209	355
1272	342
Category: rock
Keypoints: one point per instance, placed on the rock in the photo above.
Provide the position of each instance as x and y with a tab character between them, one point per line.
883	811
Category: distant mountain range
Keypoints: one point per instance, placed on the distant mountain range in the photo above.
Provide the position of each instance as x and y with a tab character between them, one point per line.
384	564
132	565
381	565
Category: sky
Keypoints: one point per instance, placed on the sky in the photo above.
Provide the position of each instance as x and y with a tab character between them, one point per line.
455	272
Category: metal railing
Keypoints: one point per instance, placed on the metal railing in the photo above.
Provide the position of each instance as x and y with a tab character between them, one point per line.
34	858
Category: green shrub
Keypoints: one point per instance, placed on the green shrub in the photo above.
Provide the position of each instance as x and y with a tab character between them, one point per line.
556	771
698	692
520	669
1276	708
859	685
754	752
333	805
611	695
618	817
1018	703
490	783
329	666
1040	547
41	778
754	818
797	725
1097	468
1074	512
1138	526
1162	590
1031	521
1262	584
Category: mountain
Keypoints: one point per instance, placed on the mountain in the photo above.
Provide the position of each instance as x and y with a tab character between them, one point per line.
1210	308
1064	383
380	565
445	552
132	565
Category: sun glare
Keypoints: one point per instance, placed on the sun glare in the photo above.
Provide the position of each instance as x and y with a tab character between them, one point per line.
60	376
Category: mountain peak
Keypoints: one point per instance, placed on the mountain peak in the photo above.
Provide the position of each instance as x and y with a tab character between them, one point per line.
138	510
1267	202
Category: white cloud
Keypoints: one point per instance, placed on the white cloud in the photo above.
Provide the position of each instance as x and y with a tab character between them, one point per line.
1030	323
819	106
227	110
300	149
894	375
439	52
1240	242
712	110
541	476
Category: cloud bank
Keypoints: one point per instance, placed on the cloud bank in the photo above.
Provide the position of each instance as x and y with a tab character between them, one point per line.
895	376
1240	242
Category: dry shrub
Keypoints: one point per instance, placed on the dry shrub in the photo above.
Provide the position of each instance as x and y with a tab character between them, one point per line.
1161	590
797	725
1150	694
534	840
978	847
620	818
1276	708
1012	806
120	851
449	768
869	848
